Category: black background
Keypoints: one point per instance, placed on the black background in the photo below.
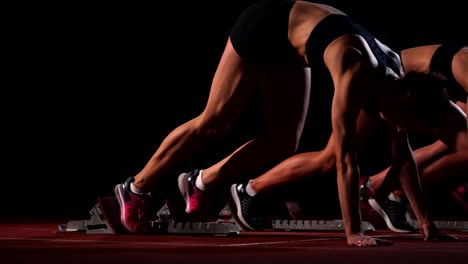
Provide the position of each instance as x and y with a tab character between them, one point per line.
92	87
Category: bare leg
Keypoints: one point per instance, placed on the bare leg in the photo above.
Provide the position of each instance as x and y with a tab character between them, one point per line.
295	168
227	97
448	166
285	93
309	164
421	155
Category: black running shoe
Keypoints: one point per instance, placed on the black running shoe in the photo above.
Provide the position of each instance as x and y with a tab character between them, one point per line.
394	213
245	208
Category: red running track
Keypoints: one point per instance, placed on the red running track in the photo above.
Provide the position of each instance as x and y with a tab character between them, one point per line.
39	243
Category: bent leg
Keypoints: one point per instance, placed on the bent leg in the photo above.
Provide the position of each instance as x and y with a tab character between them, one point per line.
229	92
310	164
432	167
285	93
422	156
295	168
445	168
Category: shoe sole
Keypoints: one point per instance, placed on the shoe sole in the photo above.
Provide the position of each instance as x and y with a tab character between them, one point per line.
235	205
182	184
119	195
373	203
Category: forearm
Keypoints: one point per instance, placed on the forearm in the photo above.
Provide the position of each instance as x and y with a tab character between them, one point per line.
411	185
348	191
405	169
347	104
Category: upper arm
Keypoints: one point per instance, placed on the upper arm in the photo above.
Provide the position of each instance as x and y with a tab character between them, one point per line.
347	103
365	125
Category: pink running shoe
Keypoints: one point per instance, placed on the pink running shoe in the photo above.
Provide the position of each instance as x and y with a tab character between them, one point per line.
135	209
198	203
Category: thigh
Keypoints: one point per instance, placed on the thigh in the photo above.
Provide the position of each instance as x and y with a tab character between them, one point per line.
232	85
285	92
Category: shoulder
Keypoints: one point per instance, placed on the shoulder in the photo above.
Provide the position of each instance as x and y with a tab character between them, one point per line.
350	52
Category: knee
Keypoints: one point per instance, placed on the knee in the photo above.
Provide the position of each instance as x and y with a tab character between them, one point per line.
328	162
209	126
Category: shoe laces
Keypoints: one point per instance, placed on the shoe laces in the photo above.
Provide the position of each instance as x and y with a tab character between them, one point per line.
248	205
396	211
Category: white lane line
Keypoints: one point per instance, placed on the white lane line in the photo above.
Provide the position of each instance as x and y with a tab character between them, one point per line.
105	241
277	242
166	243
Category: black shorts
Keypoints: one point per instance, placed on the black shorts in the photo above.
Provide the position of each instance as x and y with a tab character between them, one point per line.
441	62
260	34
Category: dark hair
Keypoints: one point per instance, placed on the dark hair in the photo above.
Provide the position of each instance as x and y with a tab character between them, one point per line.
424	94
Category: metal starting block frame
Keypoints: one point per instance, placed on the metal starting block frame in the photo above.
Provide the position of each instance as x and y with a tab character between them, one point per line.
452	225
335	225
96	224
283	225
105	219
459	225
316	225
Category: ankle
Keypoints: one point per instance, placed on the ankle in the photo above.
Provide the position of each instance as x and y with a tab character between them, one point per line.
199	182
393	196
399	193
369	186
250	189
139	186
137	190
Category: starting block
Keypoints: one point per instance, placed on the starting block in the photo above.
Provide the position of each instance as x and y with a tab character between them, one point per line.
316	225
452	225
459	225
296	222
105	219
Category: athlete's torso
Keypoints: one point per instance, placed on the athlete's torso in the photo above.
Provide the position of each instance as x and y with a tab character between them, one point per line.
439	59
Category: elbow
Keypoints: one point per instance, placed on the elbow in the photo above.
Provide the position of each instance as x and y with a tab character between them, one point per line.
346	169
341	165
